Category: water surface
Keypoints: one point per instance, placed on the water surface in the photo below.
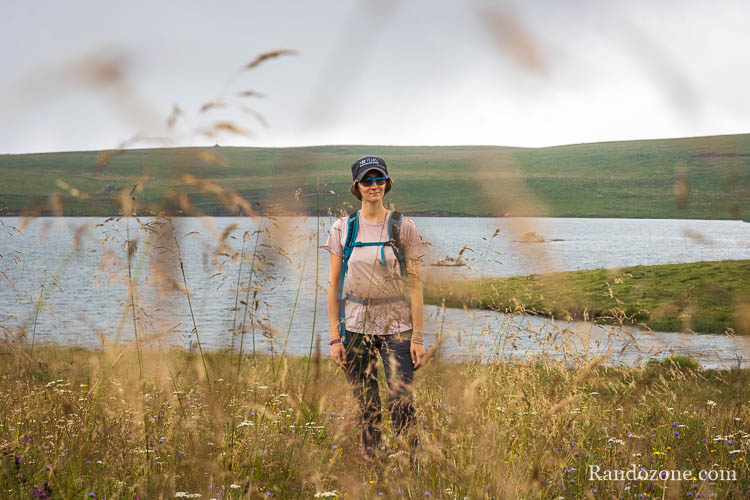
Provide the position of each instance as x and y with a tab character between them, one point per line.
86	299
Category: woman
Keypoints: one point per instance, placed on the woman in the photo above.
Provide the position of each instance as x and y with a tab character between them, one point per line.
380	318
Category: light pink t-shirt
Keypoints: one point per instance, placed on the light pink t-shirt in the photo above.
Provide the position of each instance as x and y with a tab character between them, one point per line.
366	276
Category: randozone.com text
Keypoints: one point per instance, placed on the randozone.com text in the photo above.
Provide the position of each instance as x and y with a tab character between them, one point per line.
636	473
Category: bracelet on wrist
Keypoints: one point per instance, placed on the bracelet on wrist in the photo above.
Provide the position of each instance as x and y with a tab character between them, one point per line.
334	341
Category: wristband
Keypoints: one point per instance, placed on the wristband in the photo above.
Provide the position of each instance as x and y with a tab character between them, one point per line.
334	341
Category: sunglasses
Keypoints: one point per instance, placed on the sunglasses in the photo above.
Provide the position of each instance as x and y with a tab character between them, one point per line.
367	181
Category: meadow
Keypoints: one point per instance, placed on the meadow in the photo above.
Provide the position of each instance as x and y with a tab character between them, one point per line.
693	178
707	297
79	423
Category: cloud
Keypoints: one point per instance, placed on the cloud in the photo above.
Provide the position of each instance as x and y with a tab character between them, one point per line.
526	73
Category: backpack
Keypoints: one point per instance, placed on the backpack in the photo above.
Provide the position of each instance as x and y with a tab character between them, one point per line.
394	241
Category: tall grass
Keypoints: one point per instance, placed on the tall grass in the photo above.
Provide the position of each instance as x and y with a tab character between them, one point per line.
520	430
247	302
181	263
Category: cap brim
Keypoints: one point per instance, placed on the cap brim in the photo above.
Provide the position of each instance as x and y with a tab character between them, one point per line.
364	172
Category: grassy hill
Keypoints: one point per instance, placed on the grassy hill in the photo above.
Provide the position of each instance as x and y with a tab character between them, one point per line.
706	177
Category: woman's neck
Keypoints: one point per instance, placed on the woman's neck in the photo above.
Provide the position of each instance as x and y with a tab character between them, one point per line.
374	212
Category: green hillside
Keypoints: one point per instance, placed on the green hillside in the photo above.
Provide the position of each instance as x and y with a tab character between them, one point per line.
706	177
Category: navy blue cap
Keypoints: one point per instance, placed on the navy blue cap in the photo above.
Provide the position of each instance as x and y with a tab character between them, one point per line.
367	163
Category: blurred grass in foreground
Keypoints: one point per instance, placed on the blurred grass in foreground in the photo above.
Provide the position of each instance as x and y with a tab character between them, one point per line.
77	422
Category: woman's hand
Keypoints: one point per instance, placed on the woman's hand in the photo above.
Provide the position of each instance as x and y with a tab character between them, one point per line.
417	353
338	354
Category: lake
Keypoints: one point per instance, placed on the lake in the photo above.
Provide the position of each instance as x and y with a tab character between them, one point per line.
86	300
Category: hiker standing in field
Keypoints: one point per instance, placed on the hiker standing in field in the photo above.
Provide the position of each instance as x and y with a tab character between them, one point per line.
374	253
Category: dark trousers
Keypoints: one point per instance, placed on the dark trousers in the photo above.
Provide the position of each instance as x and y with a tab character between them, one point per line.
362	372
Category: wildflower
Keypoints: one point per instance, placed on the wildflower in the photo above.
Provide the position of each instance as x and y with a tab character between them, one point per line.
677	433
92	495
180	453
245	423
235	486
426	493
268	493
729	442
182	494
41	491
334	446
710	403
327	494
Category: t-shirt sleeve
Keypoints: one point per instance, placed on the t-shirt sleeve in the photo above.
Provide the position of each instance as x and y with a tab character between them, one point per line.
411	241
333	244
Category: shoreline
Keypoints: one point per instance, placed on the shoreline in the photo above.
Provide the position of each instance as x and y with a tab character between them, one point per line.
710	297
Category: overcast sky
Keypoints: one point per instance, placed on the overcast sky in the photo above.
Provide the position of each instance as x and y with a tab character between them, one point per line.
83	75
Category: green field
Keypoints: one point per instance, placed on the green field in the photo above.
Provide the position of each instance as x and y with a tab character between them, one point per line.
707	178
707	297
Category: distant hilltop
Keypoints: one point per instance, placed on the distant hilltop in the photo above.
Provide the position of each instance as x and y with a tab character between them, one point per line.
698	178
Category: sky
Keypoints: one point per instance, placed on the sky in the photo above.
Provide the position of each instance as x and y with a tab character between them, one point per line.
90	75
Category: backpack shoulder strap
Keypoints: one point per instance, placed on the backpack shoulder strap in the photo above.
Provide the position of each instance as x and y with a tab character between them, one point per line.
394	236
351	236
351	233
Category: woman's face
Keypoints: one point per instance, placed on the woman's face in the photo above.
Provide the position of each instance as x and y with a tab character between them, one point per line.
373	192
